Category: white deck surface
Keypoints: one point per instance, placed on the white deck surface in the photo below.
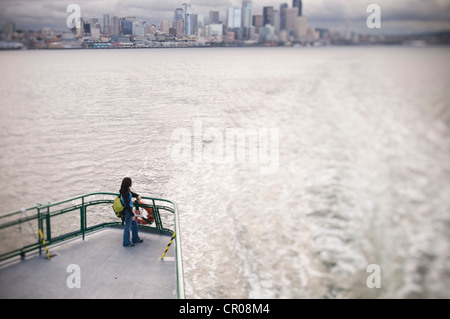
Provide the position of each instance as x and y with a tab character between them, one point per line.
107	269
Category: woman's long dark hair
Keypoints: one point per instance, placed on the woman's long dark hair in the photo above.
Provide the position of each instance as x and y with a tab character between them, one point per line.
126	184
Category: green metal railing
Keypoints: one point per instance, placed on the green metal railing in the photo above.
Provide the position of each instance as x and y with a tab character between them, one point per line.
42	217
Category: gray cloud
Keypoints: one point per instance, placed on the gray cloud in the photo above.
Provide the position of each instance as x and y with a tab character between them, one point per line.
413	15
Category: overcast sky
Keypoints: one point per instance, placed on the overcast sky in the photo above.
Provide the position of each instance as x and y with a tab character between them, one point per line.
397	16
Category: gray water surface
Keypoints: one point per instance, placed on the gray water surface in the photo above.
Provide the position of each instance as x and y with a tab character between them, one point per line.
363	165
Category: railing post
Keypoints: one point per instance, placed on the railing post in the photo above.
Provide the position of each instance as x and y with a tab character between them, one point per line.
157	217
39	227
82	217
136	204
47	222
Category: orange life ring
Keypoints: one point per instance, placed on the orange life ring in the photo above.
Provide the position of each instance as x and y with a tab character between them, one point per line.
142	220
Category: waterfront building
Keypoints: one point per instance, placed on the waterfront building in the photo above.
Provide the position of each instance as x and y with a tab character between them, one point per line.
230	36
165	26
267	33
150	29
47	33
214	30
252	33
283	36
314	35
121	41
173	31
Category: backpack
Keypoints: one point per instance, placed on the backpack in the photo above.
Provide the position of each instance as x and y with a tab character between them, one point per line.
118	207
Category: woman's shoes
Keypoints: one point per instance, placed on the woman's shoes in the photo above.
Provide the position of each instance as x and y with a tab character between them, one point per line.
132	244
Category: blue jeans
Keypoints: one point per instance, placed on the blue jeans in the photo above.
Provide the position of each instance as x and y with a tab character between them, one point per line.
134	230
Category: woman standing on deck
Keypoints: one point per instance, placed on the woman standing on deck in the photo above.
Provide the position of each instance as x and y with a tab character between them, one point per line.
130	220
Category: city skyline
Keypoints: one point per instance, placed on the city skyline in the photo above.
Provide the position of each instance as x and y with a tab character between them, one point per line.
402	16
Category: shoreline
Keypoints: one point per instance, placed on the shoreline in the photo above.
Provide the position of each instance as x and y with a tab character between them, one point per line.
406	45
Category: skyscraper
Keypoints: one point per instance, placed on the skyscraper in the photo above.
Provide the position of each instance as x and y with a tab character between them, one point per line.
246	18
268	16
189	23
95	31
187	7
106	25
126	27
301	27
177	16
8	29
188	19
165	26
297	4
115	25
288	15
87	27
214	17
234	17
258	22
199	22
180	27
283	15
276	21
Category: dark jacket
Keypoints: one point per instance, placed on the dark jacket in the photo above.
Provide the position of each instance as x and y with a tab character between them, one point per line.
127	202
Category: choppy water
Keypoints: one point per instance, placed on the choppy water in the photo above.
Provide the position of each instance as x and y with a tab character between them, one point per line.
364	158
